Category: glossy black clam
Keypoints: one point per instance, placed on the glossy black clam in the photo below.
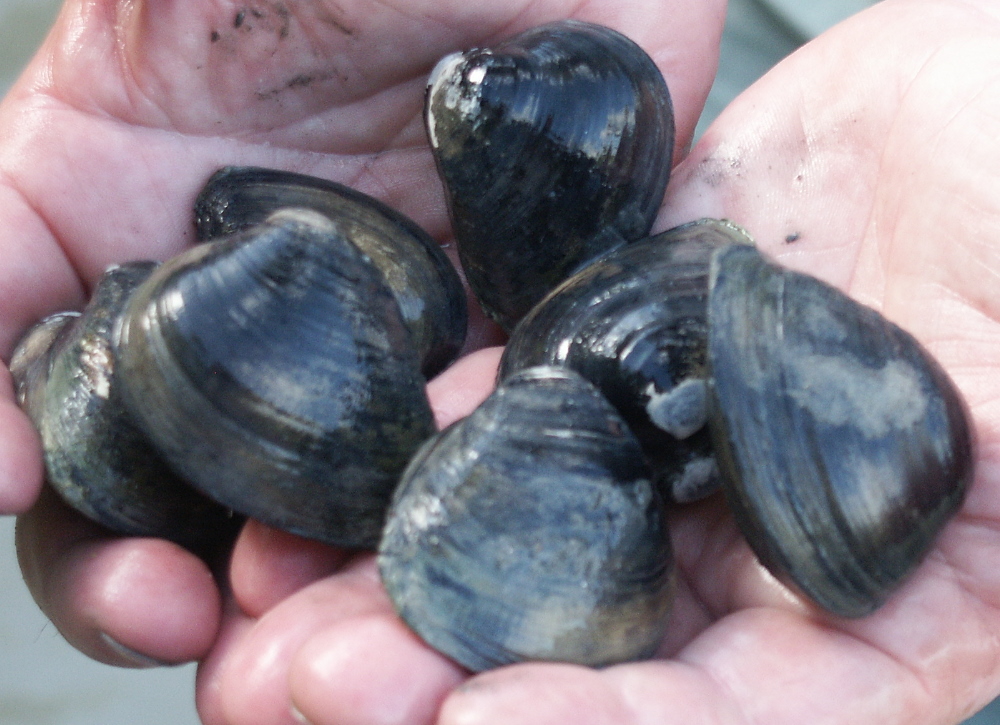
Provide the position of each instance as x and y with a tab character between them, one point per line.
96	457
275	373
553	147
427	287
844	446
634	323
530	530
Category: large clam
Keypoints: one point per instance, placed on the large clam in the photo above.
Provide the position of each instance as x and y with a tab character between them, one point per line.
844	446
553	146
274	371
531	530
96	457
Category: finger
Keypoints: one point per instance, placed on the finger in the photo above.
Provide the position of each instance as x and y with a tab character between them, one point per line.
269	565
462	387
20	454
249	672
370	671
127	602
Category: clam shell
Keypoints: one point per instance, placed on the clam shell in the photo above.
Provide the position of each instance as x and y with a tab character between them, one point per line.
530	530
96	456
553	147
427	288
844	446
274	371
634	323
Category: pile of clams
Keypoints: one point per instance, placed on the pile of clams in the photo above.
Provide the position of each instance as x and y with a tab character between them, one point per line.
277	371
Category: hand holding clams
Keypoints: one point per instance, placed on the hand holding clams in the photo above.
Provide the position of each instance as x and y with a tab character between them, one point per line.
842	446
280	368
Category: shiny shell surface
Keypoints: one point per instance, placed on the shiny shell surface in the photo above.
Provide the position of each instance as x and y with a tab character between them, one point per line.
274	371
634	323
530	530
553	146
844	446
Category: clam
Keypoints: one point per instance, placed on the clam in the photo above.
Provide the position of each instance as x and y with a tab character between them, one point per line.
530	530
553	147
844	446
274	371
96	457
427	288
634	323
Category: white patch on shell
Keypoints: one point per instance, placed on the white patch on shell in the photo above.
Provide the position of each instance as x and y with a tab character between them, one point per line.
425	513
839	390
680	411
445	85
96	366
695	480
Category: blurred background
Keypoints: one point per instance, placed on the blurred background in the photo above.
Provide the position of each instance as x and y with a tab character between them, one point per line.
44	681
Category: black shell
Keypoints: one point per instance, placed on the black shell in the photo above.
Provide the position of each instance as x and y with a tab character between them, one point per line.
530	530
273	370
428	290
96	457
553	147
634	323
843	445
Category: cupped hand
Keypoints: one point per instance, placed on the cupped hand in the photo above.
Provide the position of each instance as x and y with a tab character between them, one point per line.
869	158
117	122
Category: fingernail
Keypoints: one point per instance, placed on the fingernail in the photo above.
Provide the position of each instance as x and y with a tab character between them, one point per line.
299	717
135	659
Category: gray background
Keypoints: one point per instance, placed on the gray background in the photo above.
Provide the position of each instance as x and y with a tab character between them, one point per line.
44	681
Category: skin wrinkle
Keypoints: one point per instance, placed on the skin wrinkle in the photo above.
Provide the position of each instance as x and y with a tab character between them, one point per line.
728	695
962	582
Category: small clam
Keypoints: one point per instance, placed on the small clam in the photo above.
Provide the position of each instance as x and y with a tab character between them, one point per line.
530	530
553	147
634	323
428	290
272	369
844	446
96	457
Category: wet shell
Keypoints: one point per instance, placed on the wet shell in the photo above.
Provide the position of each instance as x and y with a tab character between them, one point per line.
273	370
844	446
553	147
531	531
96	457
428	290
634	323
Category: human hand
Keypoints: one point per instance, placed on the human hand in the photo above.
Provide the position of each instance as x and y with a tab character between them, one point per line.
121	117
867	159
